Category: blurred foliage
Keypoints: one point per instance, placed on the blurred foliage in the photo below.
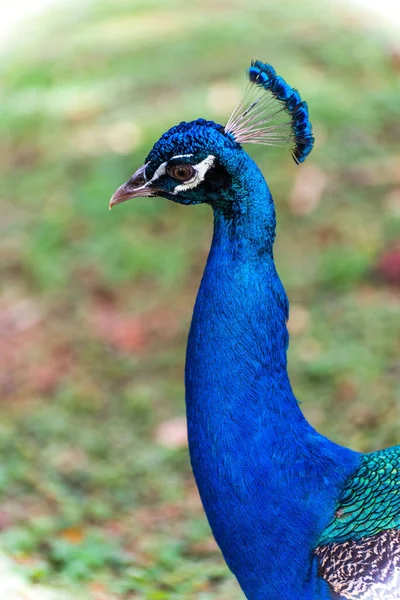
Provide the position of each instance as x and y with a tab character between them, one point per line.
95	306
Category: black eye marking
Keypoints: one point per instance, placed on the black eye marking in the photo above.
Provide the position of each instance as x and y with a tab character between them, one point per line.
216	178
181	172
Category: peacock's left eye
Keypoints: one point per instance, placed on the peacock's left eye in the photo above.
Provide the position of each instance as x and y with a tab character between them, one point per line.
181	172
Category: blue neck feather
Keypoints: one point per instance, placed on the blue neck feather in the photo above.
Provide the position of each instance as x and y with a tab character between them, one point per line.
267	479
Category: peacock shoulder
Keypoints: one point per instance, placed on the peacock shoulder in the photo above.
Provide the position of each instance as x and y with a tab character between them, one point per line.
359	551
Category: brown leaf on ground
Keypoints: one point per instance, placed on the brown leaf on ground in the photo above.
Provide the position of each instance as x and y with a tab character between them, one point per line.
73	535
307	190
172	433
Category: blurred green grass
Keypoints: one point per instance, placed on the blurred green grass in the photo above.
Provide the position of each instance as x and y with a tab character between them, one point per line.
95	306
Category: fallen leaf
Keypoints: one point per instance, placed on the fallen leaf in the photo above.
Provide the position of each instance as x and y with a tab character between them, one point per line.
73	535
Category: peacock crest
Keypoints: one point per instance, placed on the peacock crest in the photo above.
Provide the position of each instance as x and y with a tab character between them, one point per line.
272	113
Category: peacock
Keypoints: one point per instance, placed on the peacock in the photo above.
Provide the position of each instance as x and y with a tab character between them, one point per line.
296	516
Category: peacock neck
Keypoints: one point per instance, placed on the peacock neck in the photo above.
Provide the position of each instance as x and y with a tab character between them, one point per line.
267	480
238	340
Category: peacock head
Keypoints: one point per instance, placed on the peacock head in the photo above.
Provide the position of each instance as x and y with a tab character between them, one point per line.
201	161
190	164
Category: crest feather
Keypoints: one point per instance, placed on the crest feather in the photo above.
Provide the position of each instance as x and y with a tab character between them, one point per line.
272	113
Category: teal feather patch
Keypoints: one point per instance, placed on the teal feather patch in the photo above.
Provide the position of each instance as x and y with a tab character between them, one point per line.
370	502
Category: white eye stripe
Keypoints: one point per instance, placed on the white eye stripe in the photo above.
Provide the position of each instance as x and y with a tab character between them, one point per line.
200	172
201	169
182	156
159	171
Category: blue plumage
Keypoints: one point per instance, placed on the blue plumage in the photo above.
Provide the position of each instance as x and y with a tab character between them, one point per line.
296	516
300	137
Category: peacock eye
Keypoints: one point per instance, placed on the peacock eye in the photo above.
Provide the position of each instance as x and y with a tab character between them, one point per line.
181	172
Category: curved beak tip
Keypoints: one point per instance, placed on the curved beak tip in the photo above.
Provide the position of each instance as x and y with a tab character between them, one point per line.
123	193
134	188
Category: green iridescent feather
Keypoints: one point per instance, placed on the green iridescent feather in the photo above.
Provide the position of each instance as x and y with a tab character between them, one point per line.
370	502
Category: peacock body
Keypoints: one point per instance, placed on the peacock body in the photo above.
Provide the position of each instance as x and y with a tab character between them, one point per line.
296	516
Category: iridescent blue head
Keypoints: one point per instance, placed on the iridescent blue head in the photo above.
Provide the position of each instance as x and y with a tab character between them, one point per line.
201	161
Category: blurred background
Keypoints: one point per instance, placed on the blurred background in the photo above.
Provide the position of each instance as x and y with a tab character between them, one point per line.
96	493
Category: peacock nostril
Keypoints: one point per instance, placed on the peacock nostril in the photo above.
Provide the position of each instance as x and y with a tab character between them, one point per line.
137	180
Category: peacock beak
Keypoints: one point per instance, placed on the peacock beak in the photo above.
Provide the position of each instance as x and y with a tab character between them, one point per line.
137	186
